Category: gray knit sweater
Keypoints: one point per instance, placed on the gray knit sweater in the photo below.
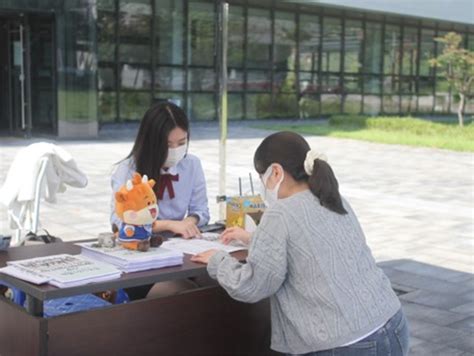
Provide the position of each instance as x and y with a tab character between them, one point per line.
324	286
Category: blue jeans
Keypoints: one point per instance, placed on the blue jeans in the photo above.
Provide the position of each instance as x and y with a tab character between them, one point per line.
391	339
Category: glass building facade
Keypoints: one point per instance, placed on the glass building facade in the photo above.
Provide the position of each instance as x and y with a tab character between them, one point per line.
113	58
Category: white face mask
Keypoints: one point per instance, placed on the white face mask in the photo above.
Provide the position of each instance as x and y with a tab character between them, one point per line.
270	196
175	155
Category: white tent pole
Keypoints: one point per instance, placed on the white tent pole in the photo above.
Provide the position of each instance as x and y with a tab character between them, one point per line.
222	55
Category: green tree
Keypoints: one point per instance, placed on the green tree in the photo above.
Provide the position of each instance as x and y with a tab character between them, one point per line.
457	65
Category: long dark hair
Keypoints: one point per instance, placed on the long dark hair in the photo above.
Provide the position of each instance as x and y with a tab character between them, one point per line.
289	150
150	149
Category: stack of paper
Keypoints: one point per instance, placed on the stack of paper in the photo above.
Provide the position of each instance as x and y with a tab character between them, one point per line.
195	246
61	270
133	261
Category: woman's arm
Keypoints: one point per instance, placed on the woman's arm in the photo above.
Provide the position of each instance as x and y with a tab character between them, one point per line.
187	228
266	266
198	205
122	173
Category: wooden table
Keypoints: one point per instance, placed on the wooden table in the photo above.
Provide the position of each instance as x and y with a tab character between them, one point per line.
204	321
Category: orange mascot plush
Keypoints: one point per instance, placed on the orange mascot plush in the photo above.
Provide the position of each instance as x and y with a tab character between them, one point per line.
136	205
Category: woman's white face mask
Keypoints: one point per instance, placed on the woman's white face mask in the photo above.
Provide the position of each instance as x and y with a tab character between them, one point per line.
175	155
270	196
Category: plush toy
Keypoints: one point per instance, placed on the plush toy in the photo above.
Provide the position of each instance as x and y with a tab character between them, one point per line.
136	205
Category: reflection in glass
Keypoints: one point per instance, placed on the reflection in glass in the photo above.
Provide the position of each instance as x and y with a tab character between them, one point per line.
201	33
259	106
354	36
175	98
425	94
169	78
391	84
442	96
235	80
285	106
309	42
372	85
201	106
107	106
134	104
106	35
408	85
371	104
235	106
392	50
331	47
391	104
135	19
330	104
235	50
408	104
201	79
352	104
373	48
410	50
427	47
135	77
258	80
259	32
352	84
330	84
169	31
285	82
134	53
439	50
284	41
308	83
106	78
309	106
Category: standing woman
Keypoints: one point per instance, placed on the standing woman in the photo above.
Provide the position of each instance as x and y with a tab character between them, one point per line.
309	255
161	152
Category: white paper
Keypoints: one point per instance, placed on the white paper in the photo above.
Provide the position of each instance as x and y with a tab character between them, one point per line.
133	261
195	246
25	275
66	268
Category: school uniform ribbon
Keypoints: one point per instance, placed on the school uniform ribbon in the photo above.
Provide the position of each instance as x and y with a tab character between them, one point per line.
166	182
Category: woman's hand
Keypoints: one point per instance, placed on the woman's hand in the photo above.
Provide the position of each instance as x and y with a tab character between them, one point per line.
235	233
203	257
187	228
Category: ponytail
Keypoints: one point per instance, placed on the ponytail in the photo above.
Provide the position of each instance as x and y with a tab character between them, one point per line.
323	184
293	153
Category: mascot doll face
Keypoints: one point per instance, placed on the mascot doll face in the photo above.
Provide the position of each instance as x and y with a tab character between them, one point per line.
136	203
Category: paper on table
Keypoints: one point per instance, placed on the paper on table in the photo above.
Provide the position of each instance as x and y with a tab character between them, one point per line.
26	275
67	268
195	246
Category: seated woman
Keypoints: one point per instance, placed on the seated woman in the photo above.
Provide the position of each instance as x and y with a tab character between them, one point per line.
161	152
309	255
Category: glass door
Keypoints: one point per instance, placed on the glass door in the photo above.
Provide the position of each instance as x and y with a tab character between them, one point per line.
27	75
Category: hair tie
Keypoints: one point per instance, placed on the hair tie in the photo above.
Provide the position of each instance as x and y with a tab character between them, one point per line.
312	155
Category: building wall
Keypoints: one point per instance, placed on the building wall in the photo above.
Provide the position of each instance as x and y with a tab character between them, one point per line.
115	57
284	60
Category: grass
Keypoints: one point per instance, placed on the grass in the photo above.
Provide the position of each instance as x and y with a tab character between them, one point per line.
392	130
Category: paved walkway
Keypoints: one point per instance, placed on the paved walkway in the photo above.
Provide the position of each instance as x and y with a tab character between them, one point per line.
415	205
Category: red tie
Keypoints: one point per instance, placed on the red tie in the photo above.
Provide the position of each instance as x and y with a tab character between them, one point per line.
166	182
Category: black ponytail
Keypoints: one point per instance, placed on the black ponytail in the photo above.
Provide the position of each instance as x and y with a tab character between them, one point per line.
323	183
289	150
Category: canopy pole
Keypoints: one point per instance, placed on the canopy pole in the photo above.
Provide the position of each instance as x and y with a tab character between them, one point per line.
222	107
